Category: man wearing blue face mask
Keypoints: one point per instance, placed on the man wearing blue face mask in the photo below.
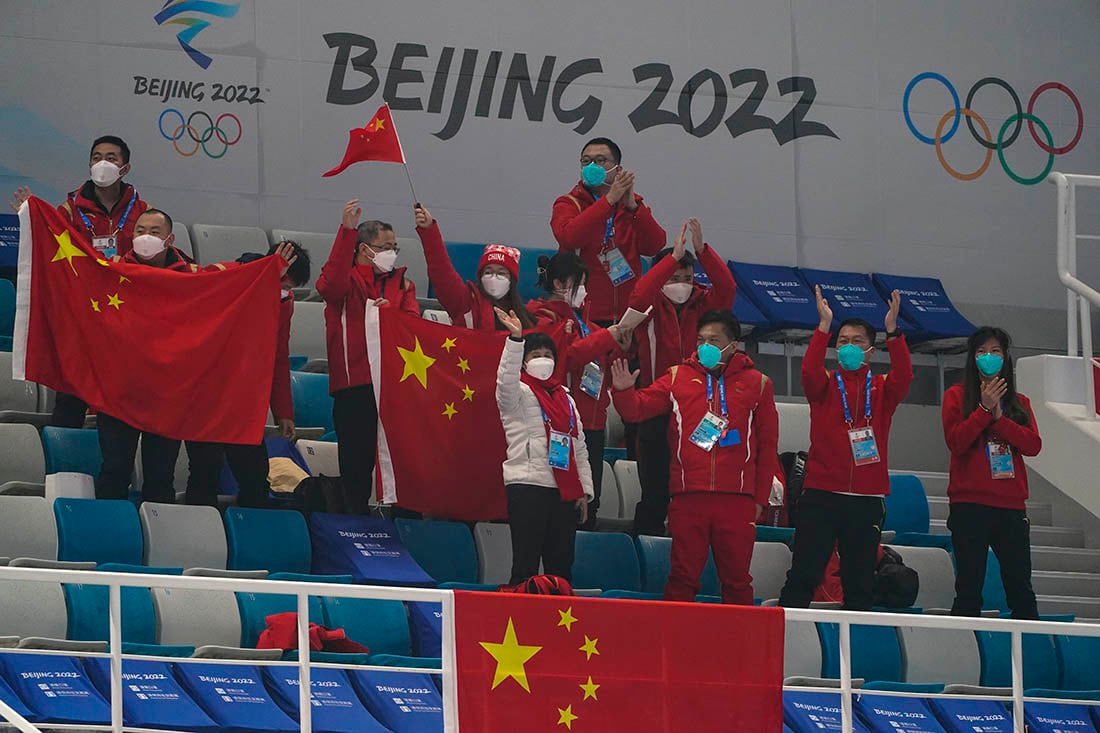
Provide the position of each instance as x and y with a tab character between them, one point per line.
609	226
846	471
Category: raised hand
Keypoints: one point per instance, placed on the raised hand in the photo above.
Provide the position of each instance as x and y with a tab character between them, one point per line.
424	217
511	321
21	194
696	228
679	245
623	183
891	322
824	312
993	391
285	250
352	212
621	376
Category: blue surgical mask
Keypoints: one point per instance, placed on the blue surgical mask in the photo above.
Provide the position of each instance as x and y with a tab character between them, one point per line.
710	355
593	175
989	364
850	357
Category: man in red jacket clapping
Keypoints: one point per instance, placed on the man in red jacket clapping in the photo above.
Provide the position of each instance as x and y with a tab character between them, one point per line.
846	471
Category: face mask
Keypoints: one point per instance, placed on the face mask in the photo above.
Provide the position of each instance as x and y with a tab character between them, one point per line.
710	355
147	246
989	364
540	367
593	175
577	300
496	285
850	357
384	260
104	173
678	293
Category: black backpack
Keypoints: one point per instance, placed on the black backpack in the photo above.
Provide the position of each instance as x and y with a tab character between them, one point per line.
896	585
794	471
320	494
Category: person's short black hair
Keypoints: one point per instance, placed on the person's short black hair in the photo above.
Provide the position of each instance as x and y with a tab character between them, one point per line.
872	332
688	260
370	229
167	219
538	340
729	322
113	140
616	153
300	269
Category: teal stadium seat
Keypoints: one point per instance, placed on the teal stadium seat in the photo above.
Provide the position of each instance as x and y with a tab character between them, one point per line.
1040	660
276	540
71	450
256	607
98	530
312	402
654	557
907	514
876	652
381	625
445	550
606	560
1077	656
7	314
88	609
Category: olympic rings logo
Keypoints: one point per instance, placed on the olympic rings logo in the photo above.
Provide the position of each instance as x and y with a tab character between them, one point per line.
986	140
211	132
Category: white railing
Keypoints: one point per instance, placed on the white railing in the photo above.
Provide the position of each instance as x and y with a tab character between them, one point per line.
302	591
1080	297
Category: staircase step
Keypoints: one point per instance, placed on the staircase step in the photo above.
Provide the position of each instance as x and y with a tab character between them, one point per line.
935	482
1047	536
1060	583
1078	606
1065	559
1040	513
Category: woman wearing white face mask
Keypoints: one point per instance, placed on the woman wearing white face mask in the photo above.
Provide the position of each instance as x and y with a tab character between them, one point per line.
588	349
471	304
546	474
665	341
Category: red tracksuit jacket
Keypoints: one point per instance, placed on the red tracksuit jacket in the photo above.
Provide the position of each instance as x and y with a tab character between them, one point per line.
104	223
668	337
971	480
830	466
744	468
579	223
346	291
578	351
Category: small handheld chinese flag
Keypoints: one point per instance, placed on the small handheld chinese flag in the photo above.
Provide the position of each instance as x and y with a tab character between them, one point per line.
377	141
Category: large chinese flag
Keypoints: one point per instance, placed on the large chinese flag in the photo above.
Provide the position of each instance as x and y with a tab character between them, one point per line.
184	355
440	442
376	141
554	663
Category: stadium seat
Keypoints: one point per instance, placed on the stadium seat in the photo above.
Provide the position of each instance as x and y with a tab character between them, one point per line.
426	625
98	530
214	243
7	313
881	713
55	688
606	560
654	560
959	716
935	322
321	457
437	316
27	528
781	296
801	650
630	488
312	402
767	533
365	548
907	514
402	702
1058	717
1077	657
1040	661
318	244
850	294
249	707
18	399
445	550
9	698
71	450
155	700
307	330
380	625
197	617
183	238
947	656
276	540
614	455
812	712
611	502
179	535
23	462
256	607
494	551
335	706
30	608
876	652
770	563
329	437
936	575
88	609
993	589
749	316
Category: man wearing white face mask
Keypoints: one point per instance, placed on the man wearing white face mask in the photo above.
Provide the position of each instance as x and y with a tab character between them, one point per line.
360	270
666	340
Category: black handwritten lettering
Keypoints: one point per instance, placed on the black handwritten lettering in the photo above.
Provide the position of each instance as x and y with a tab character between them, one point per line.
534	95
587	113
398	75
462	95
363	63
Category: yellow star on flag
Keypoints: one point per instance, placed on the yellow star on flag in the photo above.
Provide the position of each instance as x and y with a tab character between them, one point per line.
449	344
467	394
416	364
510	656
589	647
95	305
66	250
123	279
103	263
464	365
378	124
567	619
114	300
449	410
566	717
589	688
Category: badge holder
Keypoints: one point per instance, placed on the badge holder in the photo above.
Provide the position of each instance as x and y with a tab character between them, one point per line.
618	269
709	431
592	380
107	247
559	450
1000	460
864	447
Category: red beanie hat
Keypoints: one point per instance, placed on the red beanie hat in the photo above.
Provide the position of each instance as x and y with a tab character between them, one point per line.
498	254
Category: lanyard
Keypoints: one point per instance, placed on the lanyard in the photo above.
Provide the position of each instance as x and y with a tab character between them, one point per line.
844	399
609	230
585	330
572	418
121	222
721	393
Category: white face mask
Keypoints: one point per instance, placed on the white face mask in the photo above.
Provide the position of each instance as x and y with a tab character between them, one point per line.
105	173
678	293
496	285
147	246
385	260
578	297
540	367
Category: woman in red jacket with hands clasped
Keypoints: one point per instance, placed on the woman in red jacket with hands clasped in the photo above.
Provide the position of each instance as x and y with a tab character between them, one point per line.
989	428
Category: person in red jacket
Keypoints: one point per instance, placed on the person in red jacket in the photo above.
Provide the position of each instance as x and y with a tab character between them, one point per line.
846	471
723	441
105	210
588	351
609	226
359	271
665	340
989	428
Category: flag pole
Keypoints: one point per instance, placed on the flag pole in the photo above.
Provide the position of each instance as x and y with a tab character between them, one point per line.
404	160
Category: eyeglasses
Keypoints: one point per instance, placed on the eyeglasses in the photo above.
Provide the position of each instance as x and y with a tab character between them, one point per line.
599	160
395	249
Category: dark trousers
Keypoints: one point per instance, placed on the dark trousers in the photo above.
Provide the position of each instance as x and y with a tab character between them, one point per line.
975	528
247	462
118	443
854	525
543	528
355	416
68	411
594	440
653	461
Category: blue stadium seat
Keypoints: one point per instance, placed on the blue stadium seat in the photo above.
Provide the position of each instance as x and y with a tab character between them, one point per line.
1040	661
329	437
606	560
335	706
276	540
749	316
249	707
654	557
1077	657
615	454
765	533
55	689
71	450
882	714
925	306
779	293
850	294
404	703
297	361
9	698
445	550
959	716
99	531
993	589
380	625
88	607
151	696
813	712
367	548
1058	717
256	607
465	256
426	625
312	402
876	652
907	514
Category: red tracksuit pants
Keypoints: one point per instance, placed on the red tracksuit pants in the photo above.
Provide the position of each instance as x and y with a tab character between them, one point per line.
704	520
